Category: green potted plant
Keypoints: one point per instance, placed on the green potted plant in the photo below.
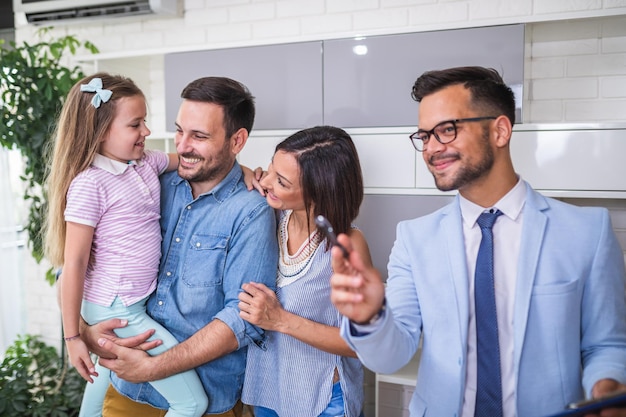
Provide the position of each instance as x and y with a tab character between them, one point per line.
33	84
35	381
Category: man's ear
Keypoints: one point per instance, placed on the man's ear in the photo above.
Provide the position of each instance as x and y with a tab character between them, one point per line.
503	130
238	140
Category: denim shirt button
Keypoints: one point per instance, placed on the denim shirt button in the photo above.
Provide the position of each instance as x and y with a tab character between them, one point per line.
160	302
188	207
177	240
168	273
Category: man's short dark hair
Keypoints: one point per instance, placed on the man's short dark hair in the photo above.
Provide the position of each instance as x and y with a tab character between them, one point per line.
233	96
489	94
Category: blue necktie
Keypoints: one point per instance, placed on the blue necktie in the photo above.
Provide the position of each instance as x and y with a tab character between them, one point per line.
489	384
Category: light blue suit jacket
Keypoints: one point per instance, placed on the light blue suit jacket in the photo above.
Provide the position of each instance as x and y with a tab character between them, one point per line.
569	319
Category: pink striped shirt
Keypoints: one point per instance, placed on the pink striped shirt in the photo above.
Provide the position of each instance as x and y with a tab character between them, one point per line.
122	202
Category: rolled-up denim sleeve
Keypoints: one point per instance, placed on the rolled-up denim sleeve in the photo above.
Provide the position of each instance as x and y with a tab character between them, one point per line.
252	256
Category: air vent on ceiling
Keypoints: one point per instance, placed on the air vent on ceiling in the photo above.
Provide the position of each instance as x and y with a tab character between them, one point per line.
65	11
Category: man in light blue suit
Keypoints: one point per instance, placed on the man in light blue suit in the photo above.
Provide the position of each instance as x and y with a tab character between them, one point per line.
558	273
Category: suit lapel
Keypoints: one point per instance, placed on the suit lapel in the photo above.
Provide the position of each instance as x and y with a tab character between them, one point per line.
454	247
533	230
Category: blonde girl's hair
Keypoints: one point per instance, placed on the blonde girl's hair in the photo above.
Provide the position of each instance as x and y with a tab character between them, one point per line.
76	140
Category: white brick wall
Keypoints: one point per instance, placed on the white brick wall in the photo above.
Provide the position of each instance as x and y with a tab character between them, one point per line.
371	17
43	316
575	50
488	10
298	8
613	87
576	70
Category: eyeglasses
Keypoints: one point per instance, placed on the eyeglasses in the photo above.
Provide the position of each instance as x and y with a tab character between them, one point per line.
444	132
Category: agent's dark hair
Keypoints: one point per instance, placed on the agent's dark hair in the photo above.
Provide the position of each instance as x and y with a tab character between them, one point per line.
233	96
330	173
489	94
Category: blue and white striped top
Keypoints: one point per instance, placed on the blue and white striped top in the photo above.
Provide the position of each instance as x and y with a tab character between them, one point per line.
293	378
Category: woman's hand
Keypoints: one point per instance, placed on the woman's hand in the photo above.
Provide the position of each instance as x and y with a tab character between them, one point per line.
252	179
259	305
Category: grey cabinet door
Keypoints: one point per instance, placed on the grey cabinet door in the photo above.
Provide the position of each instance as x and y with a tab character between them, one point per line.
286	80
368	81
360	82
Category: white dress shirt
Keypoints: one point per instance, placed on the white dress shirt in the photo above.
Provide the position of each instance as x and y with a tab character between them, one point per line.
507	232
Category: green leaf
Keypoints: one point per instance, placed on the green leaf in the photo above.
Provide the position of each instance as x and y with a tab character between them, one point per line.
36	381
33	85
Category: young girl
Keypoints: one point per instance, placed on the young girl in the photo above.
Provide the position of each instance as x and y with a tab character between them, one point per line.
103	228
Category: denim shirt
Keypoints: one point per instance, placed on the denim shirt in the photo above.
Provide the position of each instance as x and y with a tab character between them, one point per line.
211	246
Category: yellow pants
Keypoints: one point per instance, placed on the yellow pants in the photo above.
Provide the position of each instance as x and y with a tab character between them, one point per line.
117	405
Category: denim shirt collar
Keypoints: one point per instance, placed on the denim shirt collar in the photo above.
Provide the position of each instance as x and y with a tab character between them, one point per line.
223	189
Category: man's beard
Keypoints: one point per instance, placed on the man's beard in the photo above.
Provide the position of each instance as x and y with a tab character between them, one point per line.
216	167
469	173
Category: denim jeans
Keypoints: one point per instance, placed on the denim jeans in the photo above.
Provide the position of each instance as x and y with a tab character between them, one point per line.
334	409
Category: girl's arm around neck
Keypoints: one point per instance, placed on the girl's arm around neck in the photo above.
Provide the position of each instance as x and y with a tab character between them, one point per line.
172	163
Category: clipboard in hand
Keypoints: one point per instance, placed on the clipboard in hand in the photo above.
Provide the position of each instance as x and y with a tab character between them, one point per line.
594	406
